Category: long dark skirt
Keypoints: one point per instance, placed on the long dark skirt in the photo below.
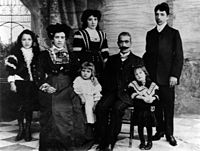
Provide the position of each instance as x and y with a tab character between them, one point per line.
27	96
144	113
62	120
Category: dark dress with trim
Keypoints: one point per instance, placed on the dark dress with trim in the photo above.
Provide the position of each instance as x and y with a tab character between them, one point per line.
26	98
144	112
62	120
94	51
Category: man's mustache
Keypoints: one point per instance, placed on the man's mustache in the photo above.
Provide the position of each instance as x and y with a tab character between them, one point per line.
123	48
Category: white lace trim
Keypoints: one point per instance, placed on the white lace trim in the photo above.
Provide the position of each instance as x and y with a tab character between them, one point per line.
28	56
7	63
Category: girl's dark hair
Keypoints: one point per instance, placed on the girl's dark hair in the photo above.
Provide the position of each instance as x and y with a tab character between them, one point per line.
56	28
145	71
87	13
162	7
35	44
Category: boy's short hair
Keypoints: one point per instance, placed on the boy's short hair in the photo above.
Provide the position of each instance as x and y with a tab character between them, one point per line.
162	7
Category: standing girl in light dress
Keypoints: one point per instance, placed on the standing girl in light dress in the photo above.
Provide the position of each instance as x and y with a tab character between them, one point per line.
88	88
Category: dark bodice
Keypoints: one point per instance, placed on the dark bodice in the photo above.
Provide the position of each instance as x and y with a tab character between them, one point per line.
94	51
17	65
48	69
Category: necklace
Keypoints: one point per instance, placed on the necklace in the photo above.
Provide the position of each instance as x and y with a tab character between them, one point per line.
94	36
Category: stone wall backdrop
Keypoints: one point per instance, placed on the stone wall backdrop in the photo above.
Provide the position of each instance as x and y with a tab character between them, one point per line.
186	14
136	17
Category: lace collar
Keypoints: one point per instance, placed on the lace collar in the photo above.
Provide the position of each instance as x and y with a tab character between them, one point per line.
59	55
28	56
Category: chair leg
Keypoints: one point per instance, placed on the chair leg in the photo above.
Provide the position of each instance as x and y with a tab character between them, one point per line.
131	128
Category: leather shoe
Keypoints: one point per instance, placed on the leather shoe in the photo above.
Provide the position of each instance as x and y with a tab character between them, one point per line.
103	148
171	140
142	146
157	136
149	145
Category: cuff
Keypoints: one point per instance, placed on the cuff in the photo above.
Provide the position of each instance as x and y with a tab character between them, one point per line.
11	78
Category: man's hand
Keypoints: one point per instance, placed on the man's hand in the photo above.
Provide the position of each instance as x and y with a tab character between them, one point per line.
47	88
173	81
50	90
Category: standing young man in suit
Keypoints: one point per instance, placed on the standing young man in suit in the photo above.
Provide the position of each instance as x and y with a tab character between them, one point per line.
164	61
117	75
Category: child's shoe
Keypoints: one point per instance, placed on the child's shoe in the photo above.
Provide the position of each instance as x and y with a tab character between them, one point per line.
149	145
142	145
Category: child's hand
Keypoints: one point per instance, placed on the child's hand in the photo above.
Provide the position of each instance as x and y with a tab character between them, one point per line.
83	101
135	95
82	98
146	99
94	107
149	99
13	87
152	99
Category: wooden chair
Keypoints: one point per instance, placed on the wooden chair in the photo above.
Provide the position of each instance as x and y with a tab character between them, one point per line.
130	121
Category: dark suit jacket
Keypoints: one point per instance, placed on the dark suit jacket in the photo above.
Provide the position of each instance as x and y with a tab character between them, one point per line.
164	54
118	74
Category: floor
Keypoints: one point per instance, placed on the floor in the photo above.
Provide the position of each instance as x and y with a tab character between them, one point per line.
187	133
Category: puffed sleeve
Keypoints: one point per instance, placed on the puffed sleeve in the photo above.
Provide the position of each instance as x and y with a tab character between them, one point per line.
11	62
104	47
77	86
78	42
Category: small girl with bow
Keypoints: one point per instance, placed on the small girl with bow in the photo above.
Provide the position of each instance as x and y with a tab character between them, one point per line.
88	88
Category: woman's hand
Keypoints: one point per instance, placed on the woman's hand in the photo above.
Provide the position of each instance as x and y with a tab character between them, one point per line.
47	88
50	90
13	87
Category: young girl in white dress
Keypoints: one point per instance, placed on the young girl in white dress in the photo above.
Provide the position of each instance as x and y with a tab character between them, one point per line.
88	88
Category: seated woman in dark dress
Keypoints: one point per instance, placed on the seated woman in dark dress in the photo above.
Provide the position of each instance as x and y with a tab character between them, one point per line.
62	120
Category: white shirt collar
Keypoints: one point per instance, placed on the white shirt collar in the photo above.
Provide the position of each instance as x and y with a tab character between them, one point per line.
54	47
124	56
161	27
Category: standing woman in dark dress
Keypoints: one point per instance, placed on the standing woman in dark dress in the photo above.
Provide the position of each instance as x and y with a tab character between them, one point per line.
21	66
90	43
62	121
